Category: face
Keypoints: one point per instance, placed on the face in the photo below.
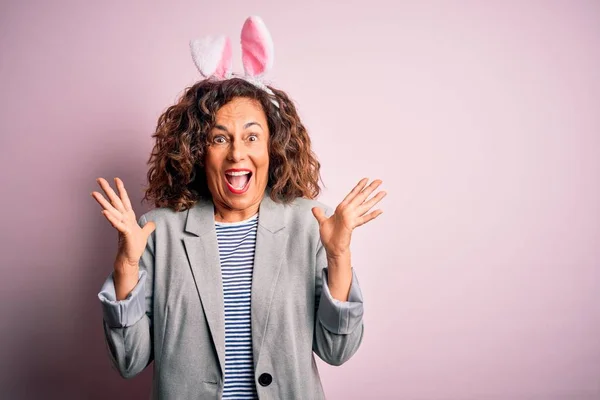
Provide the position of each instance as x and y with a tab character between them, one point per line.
237	158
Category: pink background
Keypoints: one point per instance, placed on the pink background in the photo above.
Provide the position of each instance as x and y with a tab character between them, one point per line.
482	277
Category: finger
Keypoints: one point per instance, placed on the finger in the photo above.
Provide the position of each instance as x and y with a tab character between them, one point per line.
369	217
367	205
104	203
319	215
355	191
362	196
149	228
115	222
110	193
123	194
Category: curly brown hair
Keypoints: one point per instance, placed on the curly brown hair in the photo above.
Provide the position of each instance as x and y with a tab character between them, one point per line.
177	179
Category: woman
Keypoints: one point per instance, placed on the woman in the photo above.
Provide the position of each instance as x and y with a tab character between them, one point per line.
238	275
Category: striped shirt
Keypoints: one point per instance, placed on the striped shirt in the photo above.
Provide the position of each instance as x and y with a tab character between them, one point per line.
236	251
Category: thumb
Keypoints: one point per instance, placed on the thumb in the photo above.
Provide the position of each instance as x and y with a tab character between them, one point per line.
149	228
319	214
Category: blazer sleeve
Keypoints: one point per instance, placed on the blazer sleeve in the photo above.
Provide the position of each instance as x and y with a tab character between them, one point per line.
128	323
338	324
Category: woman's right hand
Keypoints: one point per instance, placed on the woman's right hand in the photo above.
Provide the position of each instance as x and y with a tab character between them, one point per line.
132	239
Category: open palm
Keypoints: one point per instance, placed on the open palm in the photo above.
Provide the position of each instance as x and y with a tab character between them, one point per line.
353	211
120	214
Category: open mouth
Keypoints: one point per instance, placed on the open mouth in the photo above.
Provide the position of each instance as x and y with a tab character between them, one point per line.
238	180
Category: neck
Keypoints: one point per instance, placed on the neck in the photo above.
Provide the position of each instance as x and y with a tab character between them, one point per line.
228	215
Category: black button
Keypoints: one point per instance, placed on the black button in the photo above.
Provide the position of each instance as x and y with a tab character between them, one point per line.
265	379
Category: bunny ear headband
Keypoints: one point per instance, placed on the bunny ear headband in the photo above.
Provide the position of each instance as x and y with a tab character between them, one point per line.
212	55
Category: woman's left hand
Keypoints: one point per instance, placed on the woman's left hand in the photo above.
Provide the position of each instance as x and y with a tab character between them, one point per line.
353	211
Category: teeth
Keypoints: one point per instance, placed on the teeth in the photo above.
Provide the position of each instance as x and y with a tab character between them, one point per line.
240	173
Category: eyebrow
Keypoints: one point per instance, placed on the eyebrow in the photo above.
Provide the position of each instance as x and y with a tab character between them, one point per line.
246	126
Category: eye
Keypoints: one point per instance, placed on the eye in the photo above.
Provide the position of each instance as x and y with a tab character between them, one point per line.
252	138
219	139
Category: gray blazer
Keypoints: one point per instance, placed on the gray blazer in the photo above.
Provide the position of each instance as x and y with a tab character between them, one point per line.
175	314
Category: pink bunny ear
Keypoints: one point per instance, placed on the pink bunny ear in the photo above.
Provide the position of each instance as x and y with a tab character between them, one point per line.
257	47
212	56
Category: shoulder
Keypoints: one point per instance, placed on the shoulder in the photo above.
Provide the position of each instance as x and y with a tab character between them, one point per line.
299	216
302	206
162	215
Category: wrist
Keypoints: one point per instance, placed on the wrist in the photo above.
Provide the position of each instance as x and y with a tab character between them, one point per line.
339	258
125	279
124	269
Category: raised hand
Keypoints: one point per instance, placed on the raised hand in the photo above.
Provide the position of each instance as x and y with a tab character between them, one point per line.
132	239
353	211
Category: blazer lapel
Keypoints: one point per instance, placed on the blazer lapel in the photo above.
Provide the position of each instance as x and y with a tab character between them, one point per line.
203	255
271	239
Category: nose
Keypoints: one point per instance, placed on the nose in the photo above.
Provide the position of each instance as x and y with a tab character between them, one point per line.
237	151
